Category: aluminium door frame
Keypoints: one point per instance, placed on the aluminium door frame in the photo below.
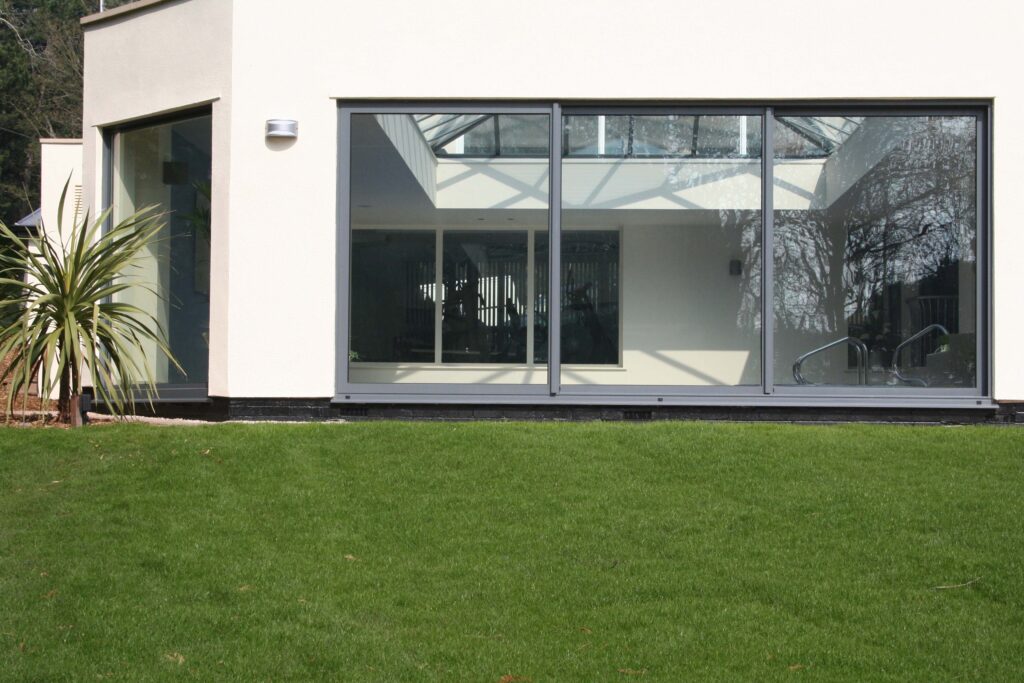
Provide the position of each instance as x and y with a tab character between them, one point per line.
345	389
981	111
188	392
767	393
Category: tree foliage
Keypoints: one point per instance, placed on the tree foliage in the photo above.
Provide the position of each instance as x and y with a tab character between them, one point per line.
65	315
41	63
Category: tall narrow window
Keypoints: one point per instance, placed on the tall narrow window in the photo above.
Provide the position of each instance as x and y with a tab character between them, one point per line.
660	254
446	278
875	253
168	166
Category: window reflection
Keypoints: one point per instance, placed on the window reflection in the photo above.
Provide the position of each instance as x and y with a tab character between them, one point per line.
875	243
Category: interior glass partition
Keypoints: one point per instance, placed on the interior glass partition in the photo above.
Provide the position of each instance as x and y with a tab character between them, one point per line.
876	251
167	165
448	268
661	249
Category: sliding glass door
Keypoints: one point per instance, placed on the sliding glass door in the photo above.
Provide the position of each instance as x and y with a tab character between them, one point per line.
657	252
876	252
447	265
661	248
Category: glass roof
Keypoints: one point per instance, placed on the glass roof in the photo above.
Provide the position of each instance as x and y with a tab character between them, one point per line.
629	136
440	129
824	133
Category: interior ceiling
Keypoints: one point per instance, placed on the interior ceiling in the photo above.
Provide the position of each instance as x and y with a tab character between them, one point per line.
381	180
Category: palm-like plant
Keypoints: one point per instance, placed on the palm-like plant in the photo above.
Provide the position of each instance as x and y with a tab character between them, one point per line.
63	317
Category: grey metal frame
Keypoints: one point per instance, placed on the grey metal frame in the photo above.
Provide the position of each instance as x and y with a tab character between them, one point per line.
980	394
765	394
168	393
555	252
767	251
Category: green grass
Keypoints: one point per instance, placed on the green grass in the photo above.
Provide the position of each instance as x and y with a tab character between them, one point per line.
547	552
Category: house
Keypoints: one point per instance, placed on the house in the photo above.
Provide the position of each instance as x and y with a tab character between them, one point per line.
571	206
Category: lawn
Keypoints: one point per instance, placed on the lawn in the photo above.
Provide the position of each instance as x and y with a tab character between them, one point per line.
512	552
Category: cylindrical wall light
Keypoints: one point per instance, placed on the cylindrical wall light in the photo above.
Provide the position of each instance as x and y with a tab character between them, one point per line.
282	128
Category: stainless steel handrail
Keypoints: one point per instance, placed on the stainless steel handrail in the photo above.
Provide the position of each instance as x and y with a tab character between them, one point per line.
899	349
857	344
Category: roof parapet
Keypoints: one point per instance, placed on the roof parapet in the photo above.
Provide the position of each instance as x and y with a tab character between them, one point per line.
91	20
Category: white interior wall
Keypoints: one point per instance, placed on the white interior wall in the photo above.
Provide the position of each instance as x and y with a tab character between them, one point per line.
679	312
296	64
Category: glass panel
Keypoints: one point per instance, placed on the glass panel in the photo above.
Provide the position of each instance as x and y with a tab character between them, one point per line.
590	296
485	289
479	141
444	260
487	136
438	130
669	135
523	135
661	250
393	296
875	251
168	166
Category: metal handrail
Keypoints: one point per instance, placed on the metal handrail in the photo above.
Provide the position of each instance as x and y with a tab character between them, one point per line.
862	356
899	349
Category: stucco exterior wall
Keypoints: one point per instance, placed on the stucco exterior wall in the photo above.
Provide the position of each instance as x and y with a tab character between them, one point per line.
259	61
60	164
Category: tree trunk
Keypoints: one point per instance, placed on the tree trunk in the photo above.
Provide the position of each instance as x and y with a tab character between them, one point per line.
75	394
76	410
64	398
69	404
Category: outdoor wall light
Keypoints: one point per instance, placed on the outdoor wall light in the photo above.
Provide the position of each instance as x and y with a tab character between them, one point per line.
282	128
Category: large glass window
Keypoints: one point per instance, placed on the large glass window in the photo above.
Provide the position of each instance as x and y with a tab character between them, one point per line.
168	166
664	283
661	244
875	252
447	284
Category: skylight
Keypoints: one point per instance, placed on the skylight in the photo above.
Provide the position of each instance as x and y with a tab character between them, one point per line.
632	136
822	135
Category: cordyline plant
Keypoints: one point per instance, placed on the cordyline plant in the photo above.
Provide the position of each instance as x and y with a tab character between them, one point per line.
61	316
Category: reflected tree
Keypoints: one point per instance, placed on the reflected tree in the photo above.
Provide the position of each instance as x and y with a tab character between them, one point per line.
894	253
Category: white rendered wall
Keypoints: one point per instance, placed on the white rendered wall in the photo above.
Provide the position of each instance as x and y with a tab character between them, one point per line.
60	163
277	336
